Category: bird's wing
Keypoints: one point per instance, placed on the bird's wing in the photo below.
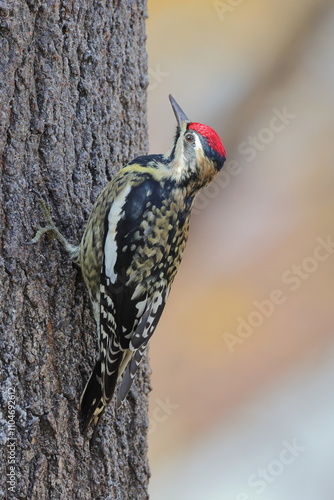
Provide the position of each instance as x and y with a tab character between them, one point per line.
139	341
133	293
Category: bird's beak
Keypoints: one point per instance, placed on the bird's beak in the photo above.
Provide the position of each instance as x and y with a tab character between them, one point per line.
179	114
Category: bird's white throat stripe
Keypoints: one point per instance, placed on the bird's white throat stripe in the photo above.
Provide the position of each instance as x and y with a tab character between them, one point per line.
110	247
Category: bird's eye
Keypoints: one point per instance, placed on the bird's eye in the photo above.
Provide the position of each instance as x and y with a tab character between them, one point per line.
189	138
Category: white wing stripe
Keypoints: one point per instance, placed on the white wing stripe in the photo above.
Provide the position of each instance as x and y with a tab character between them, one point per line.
110	247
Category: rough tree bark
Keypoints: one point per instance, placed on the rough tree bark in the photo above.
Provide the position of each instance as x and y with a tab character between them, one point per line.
73	110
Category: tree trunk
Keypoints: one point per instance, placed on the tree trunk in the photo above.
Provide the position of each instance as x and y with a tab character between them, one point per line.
73	110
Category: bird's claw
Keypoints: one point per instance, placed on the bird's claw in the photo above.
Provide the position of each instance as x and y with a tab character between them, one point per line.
50	225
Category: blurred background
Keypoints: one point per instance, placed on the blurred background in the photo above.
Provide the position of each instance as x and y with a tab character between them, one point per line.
242	405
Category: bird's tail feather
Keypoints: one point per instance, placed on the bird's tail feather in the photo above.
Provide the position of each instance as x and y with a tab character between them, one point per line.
91	403
129	375
94	398
101	386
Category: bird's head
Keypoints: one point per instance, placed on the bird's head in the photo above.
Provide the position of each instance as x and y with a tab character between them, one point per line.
197	154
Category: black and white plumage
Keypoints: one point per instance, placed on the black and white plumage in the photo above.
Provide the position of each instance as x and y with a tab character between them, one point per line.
131	249
144	238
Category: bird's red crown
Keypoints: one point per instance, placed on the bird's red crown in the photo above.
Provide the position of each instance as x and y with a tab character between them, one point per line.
211	137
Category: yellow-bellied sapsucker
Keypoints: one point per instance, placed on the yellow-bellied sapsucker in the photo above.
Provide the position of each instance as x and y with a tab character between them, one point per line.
131	249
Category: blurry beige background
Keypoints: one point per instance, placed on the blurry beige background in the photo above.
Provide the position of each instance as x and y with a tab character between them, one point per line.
243	359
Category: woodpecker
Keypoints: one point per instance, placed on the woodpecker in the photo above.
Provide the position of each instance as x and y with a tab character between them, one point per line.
131	249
